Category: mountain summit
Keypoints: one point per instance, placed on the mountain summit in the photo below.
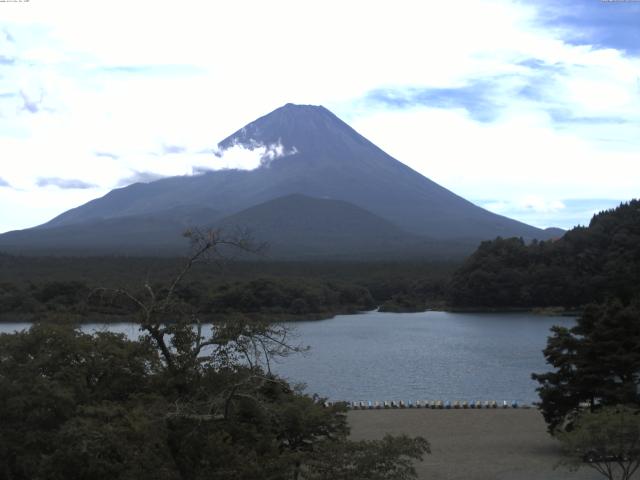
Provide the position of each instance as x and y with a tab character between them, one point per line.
301	128
309	151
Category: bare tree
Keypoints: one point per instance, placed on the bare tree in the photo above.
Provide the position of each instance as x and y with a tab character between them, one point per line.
241	347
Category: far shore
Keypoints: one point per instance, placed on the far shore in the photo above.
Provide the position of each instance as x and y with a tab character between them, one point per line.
76	318
544	311
501	444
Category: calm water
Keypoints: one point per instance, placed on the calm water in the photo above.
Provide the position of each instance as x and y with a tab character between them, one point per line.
430	355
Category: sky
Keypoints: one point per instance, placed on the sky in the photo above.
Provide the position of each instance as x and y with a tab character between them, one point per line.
530	109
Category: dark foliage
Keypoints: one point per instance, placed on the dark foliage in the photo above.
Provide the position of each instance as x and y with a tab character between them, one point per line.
79	406
92	407
62	287
596	362
179	403
288	296
585	265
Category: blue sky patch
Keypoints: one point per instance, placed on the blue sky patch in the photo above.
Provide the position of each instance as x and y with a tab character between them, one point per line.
566	117
64	183
603	24
163	70
139	177
110	155
474	98
172	149
572	212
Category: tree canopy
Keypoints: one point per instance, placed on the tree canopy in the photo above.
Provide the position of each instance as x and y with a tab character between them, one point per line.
587	264
596	362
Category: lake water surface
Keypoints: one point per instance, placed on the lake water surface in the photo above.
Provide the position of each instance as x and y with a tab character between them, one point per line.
410	356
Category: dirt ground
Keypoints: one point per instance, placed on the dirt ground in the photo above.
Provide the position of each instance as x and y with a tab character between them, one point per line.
473	444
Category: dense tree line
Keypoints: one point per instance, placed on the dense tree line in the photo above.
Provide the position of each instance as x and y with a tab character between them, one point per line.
122	271
266	296
587	264
59	287
295	297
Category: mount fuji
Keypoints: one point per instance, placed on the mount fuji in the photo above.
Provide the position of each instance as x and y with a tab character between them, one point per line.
321	189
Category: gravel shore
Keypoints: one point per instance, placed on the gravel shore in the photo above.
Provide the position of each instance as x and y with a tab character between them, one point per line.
473	444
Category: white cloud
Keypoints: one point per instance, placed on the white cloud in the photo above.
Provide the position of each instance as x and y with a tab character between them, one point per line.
543	213
139	177
531	203
189	73
248	157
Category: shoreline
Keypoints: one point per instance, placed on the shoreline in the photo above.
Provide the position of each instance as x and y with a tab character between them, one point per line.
71	317
542	311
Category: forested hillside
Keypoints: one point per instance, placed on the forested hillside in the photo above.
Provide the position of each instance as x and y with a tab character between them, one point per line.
587	264
57	287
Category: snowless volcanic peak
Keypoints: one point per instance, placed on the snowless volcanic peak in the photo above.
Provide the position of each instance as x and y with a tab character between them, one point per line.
306	150
294	128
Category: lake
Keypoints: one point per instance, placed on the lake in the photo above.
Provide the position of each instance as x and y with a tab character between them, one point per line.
411	356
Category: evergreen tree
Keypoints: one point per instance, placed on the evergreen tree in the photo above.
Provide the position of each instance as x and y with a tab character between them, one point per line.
596	362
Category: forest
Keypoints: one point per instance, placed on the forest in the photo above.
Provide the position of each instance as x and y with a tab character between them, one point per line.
588	264
51	288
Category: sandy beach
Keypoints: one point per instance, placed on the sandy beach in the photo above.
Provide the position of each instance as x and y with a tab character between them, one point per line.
473	444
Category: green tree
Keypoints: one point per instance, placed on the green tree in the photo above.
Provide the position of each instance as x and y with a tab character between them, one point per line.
55	383
596	362
607	441
586	264
390	458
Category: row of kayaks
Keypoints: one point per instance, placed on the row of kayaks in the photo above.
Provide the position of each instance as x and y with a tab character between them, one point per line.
435	404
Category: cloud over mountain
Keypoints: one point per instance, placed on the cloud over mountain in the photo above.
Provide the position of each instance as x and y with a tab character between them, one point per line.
139	177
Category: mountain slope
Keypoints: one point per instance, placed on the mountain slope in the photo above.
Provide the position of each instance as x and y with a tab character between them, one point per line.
331	161
304	227
158	233
310	151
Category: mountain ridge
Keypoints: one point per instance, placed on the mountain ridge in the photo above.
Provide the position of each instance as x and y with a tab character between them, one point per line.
309	151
